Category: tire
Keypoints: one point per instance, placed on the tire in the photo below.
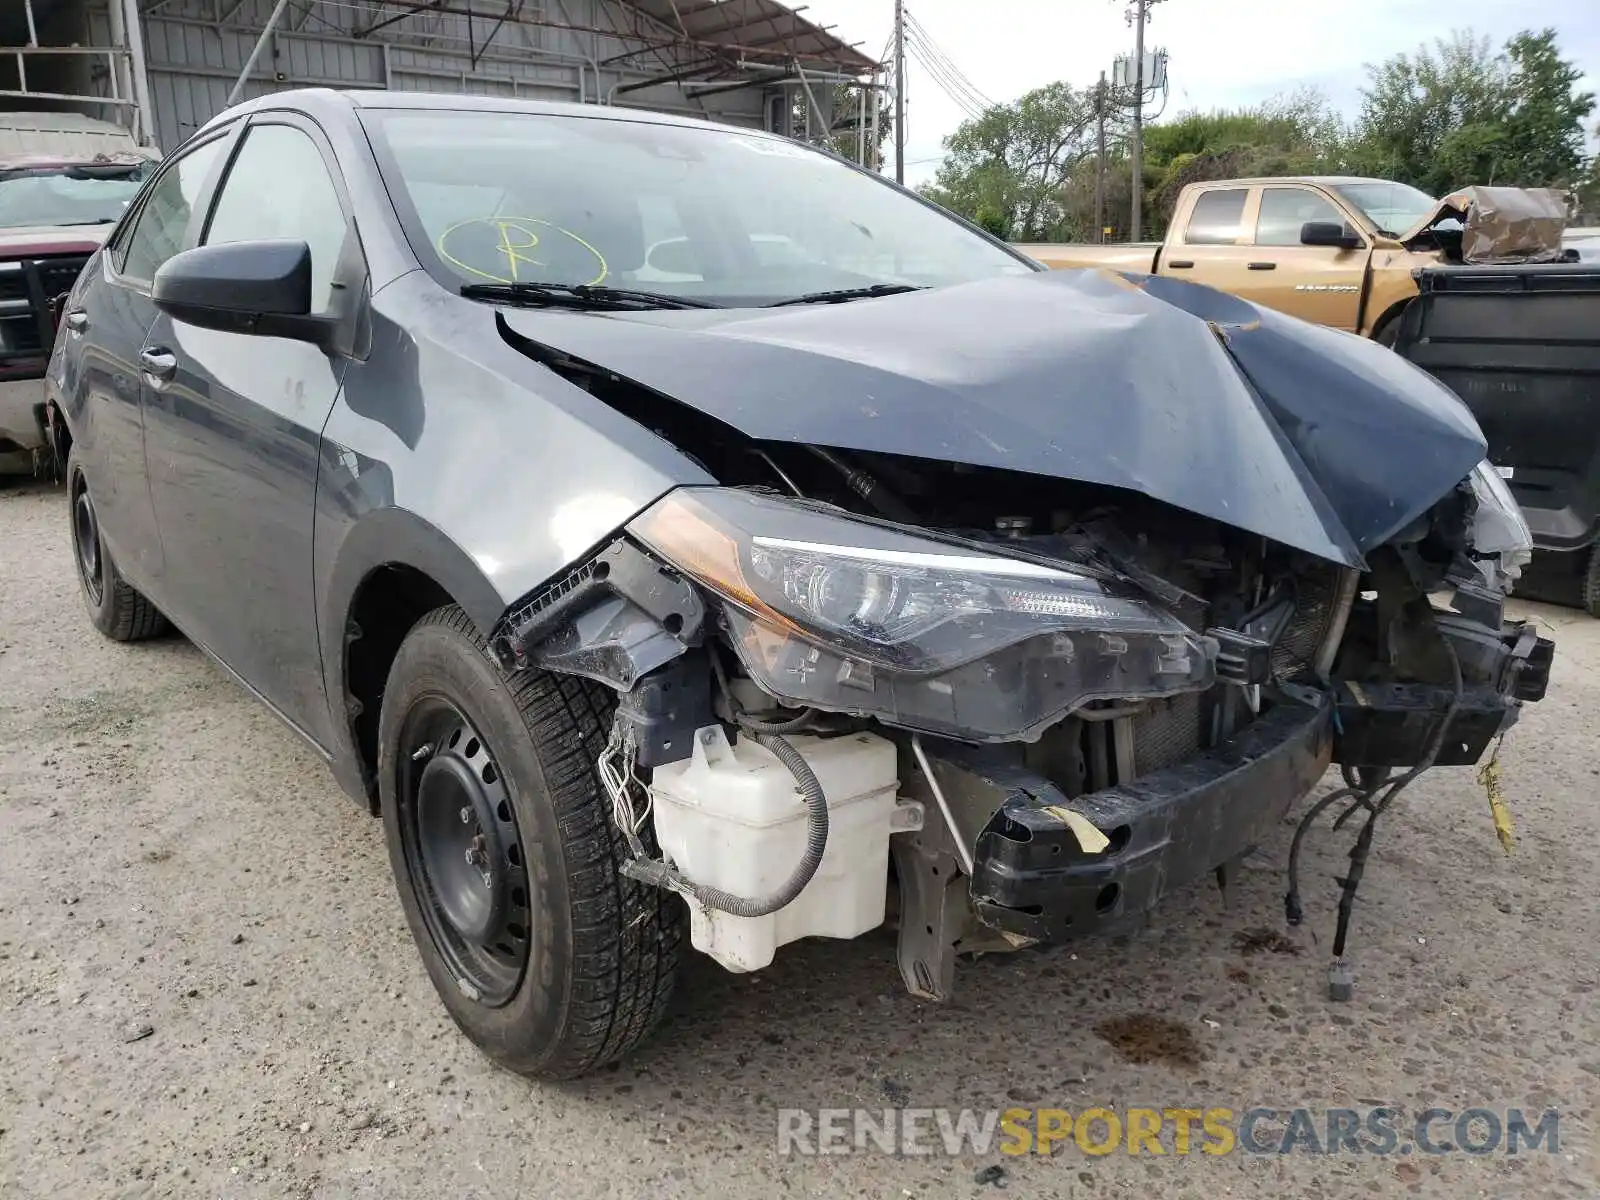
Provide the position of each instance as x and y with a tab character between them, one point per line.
116	608
1389	332
1591	582
593	970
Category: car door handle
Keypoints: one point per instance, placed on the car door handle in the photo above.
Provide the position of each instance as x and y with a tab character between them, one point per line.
1181	264
159	365
1261	266
77	320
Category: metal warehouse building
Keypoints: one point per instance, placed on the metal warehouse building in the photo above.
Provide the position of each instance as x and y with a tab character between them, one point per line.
164	67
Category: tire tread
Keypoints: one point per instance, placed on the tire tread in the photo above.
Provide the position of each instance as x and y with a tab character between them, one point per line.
627	937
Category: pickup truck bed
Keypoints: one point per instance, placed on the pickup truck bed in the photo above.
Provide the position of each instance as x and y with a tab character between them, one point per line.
1521	346
1126	256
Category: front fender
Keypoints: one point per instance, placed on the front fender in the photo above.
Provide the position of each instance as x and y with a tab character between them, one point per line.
456	455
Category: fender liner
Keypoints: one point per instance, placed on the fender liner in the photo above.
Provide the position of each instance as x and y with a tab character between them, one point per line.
382	538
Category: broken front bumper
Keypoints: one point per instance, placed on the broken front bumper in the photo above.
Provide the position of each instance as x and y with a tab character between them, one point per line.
1031	878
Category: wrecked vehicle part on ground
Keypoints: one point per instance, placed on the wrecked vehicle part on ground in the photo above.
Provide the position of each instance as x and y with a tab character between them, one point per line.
1099	689
730	568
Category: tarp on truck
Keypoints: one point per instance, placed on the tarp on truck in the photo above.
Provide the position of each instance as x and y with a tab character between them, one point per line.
1503	224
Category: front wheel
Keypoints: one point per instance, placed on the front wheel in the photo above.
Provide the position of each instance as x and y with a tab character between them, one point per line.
1388	333
550	959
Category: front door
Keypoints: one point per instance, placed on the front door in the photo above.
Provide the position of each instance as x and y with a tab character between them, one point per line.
233	423
1316	283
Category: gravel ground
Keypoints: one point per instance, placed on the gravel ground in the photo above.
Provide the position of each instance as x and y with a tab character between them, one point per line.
174	863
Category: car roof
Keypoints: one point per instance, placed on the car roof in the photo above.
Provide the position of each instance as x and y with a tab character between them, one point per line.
1289	180
312	99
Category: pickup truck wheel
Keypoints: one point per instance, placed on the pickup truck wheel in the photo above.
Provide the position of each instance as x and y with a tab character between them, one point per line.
1388	333
1591	583
550	960
116	608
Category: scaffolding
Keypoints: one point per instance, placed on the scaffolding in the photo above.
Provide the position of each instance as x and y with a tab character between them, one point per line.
59	70
164	67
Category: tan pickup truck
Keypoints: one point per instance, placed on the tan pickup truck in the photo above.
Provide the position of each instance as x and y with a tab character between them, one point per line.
1335	250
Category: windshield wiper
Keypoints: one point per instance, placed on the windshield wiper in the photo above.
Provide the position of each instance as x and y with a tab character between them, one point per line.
580	295
91	221
840	295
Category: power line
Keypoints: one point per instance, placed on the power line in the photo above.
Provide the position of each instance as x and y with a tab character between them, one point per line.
940	62
967	106
970	102
951	89
947	62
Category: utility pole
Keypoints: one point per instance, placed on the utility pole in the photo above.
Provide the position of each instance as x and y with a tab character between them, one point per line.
1100	160
1136	146
900	91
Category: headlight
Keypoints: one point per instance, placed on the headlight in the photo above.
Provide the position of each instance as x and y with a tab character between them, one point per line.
1499	528
853	616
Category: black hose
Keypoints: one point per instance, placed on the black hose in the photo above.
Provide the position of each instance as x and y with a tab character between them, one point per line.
661	875
1366	796
816	841
1292	912
768	734
868	488
789	725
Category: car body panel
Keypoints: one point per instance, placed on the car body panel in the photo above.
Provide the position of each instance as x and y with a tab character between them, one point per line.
231	446
1251	418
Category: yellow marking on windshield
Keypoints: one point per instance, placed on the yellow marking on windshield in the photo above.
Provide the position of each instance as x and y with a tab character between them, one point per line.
516	240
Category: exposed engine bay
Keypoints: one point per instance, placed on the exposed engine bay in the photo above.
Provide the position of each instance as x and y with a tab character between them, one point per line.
1038	705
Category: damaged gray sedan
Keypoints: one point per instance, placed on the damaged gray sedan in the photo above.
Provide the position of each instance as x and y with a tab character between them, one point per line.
681	537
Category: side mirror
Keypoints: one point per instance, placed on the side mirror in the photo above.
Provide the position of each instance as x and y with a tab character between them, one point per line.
261	288
675	256
1330	233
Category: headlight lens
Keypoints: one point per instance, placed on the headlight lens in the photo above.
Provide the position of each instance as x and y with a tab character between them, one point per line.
1499	527
853	616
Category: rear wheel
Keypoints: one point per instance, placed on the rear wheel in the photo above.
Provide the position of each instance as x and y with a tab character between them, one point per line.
116	608
549	958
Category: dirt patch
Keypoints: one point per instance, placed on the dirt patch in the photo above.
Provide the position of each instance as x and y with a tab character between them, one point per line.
1262	940
1143	1038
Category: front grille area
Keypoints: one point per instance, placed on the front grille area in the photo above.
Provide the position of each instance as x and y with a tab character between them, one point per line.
1166	732
27	333
1323	596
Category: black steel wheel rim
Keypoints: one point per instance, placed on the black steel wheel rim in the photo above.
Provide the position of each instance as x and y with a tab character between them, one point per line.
86	541
463	851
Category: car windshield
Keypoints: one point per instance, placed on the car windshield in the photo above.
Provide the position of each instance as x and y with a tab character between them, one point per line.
1392	208
85	195
705	212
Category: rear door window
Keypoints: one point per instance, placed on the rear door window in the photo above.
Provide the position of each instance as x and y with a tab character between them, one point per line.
159	229
1216	218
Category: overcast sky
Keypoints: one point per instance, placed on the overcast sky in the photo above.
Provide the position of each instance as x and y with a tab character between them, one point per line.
1223	53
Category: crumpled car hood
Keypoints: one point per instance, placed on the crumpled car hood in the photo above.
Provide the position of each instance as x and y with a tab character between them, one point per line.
1317	439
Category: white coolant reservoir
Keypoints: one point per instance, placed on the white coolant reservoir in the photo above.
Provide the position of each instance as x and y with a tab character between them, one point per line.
733	817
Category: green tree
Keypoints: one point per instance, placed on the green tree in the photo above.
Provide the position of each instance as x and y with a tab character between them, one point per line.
1459	114
1543	139
1007	167
1293	134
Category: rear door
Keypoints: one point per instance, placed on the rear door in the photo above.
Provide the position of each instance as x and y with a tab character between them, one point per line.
1317	283
234	422
1207	246
106	332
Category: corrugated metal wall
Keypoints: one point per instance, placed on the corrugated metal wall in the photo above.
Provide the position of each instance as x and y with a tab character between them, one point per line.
195	50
